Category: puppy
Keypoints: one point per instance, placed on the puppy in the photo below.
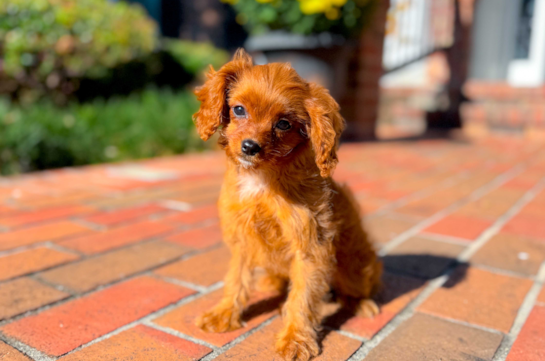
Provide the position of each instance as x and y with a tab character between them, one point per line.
279	208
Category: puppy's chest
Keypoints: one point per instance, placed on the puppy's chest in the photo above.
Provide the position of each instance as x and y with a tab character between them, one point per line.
260	210
251	187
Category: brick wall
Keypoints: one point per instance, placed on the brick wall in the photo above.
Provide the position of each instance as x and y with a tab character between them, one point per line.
360	105
497	107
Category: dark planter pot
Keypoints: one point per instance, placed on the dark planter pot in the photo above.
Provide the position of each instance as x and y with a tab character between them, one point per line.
323	58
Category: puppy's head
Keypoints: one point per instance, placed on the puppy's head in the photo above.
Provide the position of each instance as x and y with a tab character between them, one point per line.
268	114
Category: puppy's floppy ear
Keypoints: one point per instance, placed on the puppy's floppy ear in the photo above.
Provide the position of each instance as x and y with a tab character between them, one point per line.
213	94
326	126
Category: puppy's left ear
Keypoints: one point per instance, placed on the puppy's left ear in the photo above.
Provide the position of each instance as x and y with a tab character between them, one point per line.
326	126
213	95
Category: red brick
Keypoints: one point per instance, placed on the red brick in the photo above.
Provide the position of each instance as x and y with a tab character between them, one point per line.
533	209
541	297
424	337
459	226
198	238
194	216
62	328
384	228
423	207
29	217
25	294
141	343
119	216
395	294
8	353
42	233
42	201
30	261
492	205
117	237
92	272
526	225
182	319
334	346
513	253
530	343
204	269
479	297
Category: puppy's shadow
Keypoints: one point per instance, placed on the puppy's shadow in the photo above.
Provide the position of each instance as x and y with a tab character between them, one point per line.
263	307
403	273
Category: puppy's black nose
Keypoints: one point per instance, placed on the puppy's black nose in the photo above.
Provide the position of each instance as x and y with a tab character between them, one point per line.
250	147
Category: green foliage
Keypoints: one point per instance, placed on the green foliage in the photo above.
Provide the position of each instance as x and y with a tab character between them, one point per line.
46	44
194	57
345	17
146	124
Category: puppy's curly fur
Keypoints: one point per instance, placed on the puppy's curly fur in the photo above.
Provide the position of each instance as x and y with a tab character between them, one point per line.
280	210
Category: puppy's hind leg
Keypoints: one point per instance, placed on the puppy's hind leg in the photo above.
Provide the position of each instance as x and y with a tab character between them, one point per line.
225	316
356	284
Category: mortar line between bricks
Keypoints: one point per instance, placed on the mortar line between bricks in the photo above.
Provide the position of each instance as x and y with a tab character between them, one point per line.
238	340
504	272
183	283
183	257
501	221
522	315
446	239
29	247
161	236
476	194
409	310
65	300
31	352
467	324
421	194
178	334
148	318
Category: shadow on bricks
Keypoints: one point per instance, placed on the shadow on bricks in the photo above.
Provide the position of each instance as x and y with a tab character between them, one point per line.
262	307
422	266
404	274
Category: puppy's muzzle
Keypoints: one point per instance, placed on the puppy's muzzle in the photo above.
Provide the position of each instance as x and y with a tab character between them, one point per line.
250	147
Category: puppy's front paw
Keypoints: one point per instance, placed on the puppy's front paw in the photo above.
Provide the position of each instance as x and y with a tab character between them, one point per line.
297	348
367	308
219	319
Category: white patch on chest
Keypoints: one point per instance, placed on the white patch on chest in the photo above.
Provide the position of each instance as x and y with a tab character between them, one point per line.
251	185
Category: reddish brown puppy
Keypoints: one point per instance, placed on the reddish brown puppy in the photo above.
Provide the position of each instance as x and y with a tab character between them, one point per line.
280	210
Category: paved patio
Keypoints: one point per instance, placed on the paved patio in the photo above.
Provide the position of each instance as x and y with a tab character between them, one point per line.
114	262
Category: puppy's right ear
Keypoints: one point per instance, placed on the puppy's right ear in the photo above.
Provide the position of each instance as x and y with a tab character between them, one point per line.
214	110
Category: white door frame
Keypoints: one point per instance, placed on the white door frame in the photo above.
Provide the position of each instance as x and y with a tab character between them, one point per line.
531	72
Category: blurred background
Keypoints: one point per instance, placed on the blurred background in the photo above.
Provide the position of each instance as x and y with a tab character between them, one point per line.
92	81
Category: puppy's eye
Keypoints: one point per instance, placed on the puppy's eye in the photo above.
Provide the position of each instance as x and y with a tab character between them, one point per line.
239	111
283	125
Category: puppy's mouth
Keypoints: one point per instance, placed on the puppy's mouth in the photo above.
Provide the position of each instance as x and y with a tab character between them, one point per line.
245	162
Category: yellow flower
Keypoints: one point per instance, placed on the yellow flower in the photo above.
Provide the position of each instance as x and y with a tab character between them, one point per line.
314	6
338	3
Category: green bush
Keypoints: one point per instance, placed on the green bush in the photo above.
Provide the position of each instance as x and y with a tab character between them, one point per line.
46	45
345	17
146	124
195	57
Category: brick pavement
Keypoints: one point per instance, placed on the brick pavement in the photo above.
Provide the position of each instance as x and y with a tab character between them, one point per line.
115	261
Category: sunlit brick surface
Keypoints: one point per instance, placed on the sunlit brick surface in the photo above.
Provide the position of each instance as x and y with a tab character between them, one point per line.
116	261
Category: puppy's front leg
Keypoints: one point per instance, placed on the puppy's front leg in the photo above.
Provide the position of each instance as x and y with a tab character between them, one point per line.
225	316
297	341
